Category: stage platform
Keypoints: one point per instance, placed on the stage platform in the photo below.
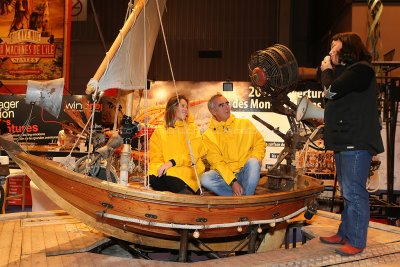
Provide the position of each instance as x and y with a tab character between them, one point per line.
53	238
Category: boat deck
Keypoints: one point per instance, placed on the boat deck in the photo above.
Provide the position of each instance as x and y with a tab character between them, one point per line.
53	238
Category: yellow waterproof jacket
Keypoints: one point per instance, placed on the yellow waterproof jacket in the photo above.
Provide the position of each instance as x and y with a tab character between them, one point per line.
171	143
230	144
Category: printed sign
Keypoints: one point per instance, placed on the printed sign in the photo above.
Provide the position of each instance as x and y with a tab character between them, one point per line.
32	41
41	128
79	10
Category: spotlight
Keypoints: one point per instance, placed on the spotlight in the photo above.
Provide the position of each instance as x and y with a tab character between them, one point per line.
311	210
227	86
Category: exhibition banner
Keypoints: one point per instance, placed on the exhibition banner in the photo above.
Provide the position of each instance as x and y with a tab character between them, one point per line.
32	125
33	40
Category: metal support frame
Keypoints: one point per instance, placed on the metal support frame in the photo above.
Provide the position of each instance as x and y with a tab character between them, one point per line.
390	110
294	227
392	105
99	248
183	248
252	240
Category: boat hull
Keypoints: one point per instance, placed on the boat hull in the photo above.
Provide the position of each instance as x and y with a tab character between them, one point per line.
152	218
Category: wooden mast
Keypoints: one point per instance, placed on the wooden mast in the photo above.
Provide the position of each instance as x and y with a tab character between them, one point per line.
126	149
93	83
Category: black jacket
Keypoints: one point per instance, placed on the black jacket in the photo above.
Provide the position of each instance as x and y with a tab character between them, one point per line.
351	113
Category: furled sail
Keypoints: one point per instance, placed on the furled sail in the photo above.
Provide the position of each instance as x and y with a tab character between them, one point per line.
124	65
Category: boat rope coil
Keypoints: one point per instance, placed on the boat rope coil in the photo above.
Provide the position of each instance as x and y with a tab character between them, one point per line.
271	222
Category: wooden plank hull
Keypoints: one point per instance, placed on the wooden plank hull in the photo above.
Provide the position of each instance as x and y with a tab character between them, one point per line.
154	218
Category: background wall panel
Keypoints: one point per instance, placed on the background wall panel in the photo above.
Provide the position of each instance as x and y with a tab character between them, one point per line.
236	28
232	27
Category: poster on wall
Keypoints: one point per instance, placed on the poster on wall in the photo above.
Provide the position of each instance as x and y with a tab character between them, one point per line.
33	40
33	126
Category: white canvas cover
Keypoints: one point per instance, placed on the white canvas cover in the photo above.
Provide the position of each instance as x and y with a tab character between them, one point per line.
126	69
47	94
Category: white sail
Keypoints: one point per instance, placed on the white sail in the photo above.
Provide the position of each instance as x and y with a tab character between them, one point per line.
123	67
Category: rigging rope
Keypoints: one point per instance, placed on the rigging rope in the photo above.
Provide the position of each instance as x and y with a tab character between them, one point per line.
68	164
192	158
146	180
304	151
26	124
96	19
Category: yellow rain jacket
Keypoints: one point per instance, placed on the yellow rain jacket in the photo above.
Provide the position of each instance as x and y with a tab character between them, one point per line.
171	143
230	144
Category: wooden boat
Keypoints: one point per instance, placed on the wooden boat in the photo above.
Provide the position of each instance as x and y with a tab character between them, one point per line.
151	218
137	214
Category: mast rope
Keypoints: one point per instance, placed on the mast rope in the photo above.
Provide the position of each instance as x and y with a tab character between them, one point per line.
192	158
96	20
304	152
68	163
146	179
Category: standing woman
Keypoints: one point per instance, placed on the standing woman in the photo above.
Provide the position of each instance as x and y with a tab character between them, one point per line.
170	157
352	131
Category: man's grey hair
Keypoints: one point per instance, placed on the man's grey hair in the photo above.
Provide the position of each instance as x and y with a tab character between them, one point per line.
210	103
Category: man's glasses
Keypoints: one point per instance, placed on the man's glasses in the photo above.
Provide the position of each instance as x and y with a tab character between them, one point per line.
223	104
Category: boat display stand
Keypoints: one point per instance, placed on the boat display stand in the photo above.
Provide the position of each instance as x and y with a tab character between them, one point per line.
54	238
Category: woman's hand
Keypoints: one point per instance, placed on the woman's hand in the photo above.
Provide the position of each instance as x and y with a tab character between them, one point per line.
164	168
326	63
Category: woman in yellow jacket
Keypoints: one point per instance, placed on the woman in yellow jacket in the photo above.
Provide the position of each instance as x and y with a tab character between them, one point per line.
171	165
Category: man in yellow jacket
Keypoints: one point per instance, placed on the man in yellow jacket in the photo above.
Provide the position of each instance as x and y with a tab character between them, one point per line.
235	149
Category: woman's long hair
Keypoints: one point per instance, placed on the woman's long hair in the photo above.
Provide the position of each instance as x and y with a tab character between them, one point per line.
170	108
353	49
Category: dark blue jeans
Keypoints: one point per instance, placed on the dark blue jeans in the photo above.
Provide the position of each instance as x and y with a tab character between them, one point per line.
352	169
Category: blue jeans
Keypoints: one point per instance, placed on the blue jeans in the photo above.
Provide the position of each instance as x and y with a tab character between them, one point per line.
352	170
247	177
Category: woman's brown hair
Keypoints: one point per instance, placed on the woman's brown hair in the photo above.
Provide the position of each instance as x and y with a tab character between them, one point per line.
353	49
170	108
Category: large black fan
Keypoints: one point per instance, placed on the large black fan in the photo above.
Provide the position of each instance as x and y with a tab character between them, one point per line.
273	70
